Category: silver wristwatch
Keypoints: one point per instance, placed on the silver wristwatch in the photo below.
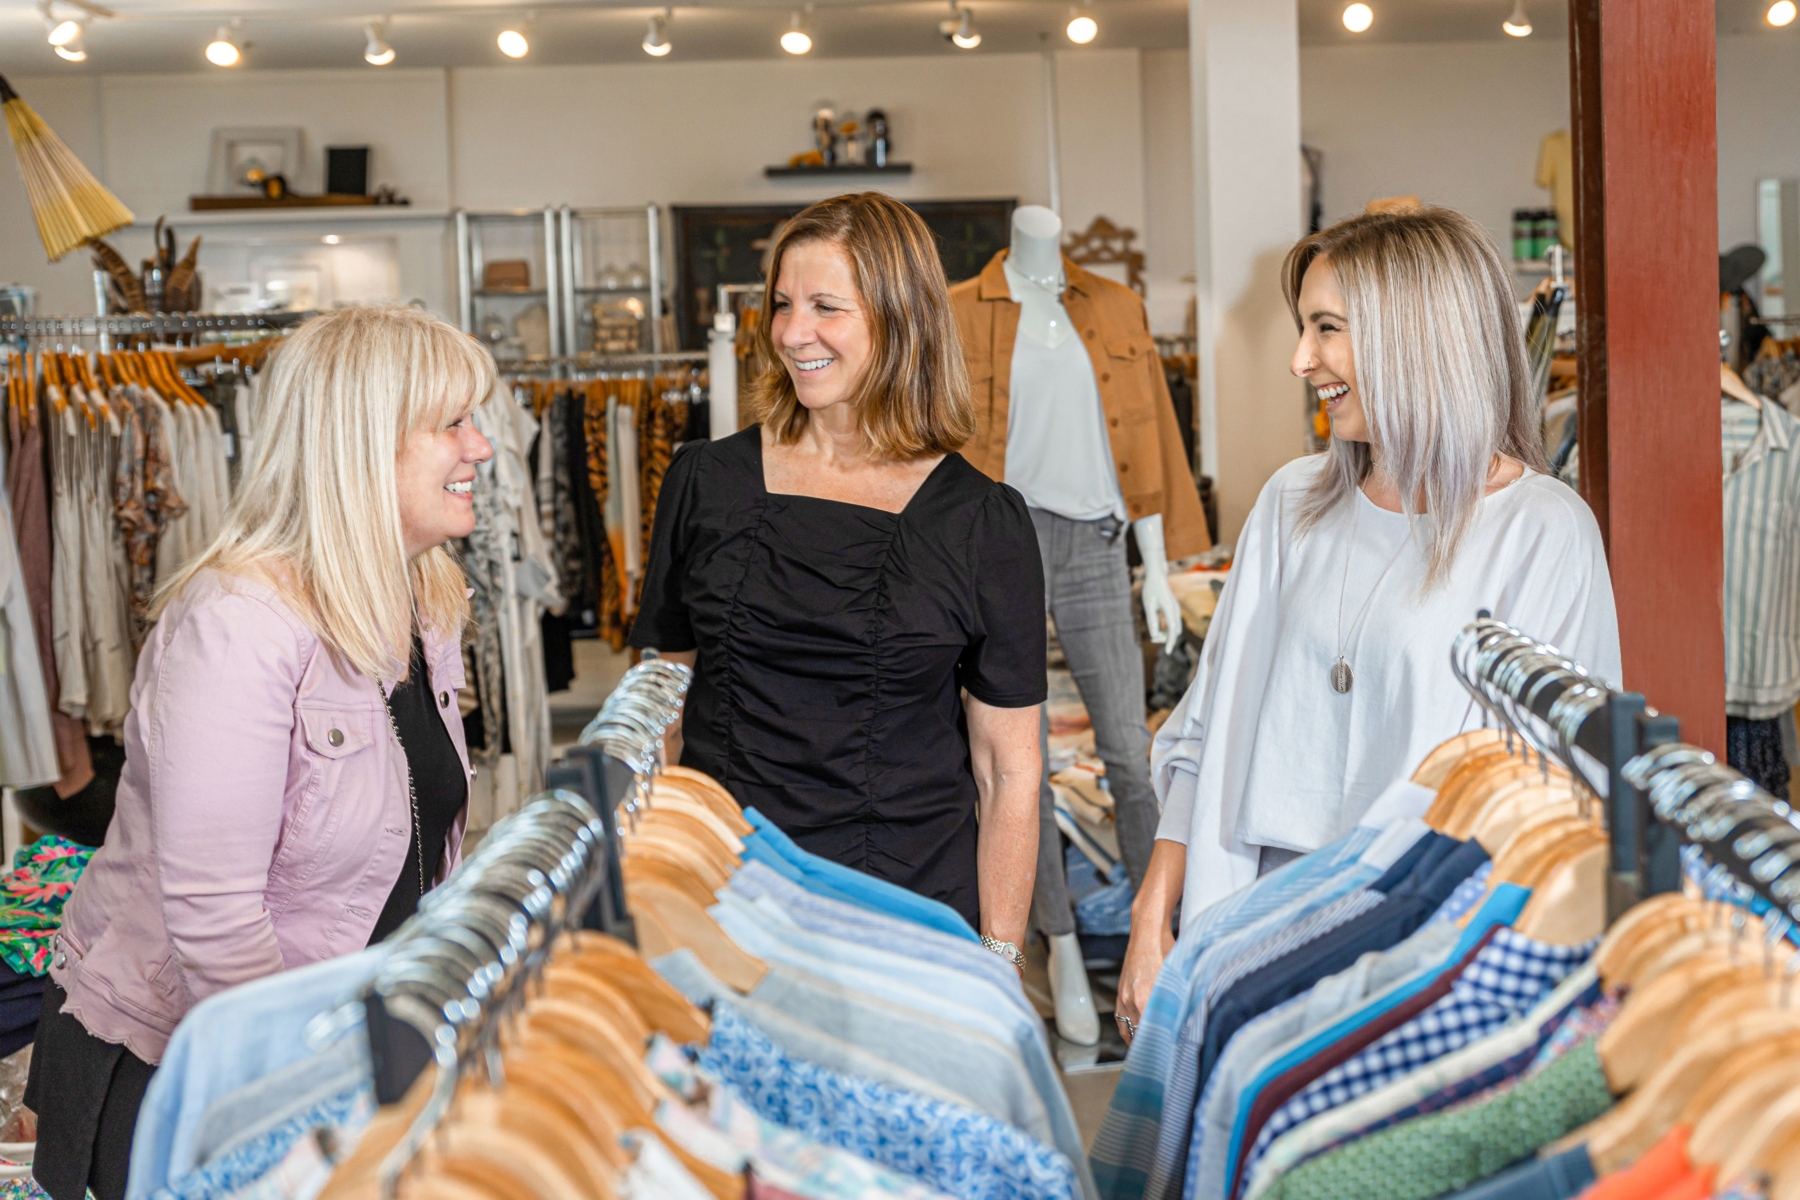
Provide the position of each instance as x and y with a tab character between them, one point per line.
1005	950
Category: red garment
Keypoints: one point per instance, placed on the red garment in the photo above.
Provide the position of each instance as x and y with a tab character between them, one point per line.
1662	1168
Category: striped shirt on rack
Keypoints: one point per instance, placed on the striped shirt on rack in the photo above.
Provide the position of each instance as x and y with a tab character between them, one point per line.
1761	459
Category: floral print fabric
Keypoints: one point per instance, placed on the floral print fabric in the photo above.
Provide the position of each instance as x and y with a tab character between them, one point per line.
32	898
954	1149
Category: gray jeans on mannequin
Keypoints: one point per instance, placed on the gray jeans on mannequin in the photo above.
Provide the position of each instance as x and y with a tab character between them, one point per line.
1087	587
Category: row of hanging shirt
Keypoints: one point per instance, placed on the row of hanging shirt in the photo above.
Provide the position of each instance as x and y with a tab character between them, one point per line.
1426	1008
787	1027
117	475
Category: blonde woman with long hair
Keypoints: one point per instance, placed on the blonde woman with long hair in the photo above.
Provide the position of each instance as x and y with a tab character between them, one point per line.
295	773
1326	676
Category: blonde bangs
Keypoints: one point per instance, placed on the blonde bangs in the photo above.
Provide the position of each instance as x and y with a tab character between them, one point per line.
317	512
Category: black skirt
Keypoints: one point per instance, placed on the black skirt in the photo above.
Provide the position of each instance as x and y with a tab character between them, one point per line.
86	1094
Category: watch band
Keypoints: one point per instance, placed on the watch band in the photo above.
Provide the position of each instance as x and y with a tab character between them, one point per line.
1005	950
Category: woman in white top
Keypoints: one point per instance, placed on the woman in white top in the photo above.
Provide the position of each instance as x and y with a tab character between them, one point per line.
1326	672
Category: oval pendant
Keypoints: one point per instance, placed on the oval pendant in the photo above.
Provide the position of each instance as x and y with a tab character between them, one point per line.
1341	678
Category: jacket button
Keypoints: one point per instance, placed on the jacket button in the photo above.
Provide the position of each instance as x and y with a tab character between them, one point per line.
1106	377
1114	422
62	960
1124	467
443	699
335	737
1090	333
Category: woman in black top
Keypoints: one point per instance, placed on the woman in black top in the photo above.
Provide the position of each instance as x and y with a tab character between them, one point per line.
838	574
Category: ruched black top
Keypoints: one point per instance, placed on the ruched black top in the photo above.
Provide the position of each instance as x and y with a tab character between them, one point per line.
833	639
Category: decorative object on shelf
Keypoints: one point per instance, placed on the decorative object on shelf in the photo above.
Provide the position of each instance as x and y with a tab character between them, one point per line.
881	140
844	145
125	292
242	158
70	206
825	134
223	203
506	275
1105	244
618	326
346	170
532	328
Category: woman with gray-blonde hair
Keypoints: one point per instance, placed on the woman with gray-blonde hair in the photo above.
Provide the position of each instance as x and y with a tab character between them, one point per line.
1325	676
295	774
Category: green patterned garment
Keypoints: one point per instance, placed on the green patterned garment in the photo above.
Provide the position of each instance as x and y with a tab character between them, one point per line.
32	898
1445	1151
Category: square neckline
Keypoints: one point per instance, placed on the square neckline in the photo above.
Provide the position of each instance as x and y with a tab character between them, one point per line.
762	483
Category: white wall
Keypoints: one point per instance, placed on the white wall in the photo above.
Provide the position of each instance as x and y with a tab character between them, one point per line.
1759	138
974	126
1168	187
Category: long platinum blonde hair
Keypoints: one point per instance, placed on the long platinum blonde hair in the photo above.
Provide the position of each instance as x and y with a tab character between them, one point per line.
1440	366
317	511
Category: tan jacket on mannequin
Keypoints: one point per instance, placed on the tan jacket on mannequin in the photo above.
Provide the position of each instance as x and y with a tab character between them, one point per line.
1140	418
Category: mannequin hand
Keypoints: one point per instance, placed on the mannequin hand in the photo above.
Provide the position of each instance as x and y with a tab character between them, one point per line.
1162	611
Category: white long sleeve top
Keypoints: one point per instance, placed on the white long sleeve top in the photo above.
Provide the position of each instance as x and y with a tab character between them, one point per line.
1263	752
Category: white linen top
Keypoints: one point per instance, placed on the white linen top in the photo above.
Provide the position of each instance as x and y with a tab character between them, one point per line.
1263	752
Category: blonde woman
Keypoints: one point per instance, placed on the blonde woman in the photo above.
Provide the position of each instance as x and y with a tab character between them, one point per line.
295	775
1326	672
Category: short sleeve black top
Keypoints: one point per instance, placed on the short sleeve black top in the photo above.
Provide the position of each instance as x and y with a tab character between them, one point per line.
832	641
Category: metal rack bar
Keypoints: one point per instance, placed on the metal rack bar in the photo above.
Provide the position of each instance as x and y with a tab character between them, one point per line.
152	323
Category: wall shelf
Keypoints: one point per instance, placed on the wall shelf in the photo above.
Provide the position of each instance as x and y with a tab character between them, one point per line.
846	169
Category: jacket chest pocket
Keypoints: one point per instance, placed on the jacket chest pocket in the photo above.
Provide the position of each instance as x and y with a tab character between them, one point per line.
339	741
1125	374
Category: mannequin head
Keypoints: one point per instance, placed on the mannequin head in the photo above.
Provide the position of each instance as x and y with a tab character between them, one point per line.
1415	312
1036	241
856	283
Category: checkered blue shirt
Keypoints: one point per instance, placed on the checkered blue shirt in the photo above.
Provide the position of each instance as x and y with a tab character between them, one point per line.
1509	975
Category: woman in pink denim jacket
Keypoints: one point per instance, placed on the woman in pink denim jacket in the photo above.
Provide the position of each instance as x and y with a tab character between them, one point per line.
293	780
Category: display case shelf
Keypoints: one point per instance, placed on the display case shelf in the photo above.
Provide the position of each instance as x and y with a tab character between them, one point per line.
843	169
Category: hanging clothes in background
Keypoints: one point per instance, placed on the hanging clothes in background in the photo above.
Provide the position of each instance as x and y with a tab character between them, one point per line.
604	446
513	576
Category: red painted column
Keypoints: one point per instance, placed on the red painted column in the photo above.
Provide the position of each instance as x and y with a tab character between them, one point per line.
1643	89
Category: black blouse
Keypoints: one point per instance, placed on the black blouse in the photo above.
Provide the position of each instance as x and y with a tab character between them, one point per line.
833	639
438	783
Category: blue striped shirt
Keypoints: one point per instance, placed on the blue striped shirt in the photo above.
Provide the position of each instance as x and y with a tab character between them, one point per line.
1762	559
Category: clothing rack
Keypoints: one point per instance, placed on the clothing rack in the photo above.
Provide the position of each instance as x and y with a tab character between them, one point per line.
552	866
161	327
1659	790
596	362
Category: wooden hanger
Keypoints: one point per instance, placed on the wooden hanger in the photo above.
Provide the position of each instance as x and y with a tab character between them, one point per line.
1467	769
1489	787
654	998
1732	385
1663	917
1771	1137
1502	817
1742	1086
675	921
671	863
710	792
1568	900
1631	1128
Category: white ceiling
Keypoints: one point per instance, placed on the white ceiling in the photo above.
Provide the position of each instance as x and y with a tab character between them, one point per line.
168	35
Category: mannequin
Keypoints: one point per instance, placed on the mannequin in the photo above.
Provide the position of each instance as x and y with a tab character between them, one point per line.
1059	456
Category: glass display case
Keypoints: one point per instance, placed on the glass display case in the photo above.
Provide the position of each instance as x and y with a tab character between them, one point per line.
509	277
612	280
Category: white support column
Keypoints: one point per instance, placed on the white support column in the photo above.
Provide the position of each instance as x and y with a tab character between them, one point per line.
1245	59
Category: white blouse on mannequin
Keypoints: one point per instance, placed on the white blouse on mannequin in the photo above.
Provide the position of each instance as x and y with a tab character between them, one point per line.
1263	752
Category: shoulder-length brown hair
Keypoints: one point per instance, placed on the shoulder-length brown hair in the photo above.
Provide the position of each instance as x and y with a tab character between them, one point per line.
913	397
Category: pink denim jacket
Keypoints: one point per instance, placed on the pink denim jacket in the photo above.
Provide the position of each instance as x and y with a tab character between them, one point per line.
262	816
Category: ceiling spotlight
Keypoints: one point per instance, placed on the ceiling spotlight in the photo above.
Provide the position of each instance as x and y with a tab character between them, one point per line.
1082	28
1358	17
1519	25
960	28
223	50
61	32
75	48
656	41
331	239
1782	12
377	52
512	43
796	40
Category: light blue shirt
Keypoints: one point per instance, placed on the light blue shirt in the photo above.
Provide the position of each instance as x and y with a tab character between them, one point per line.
763	930
227	1041
843	882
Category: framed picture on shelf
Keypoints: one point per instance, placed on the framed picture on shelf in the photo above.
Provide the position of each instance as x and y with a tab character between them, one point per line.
242	156
731	243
